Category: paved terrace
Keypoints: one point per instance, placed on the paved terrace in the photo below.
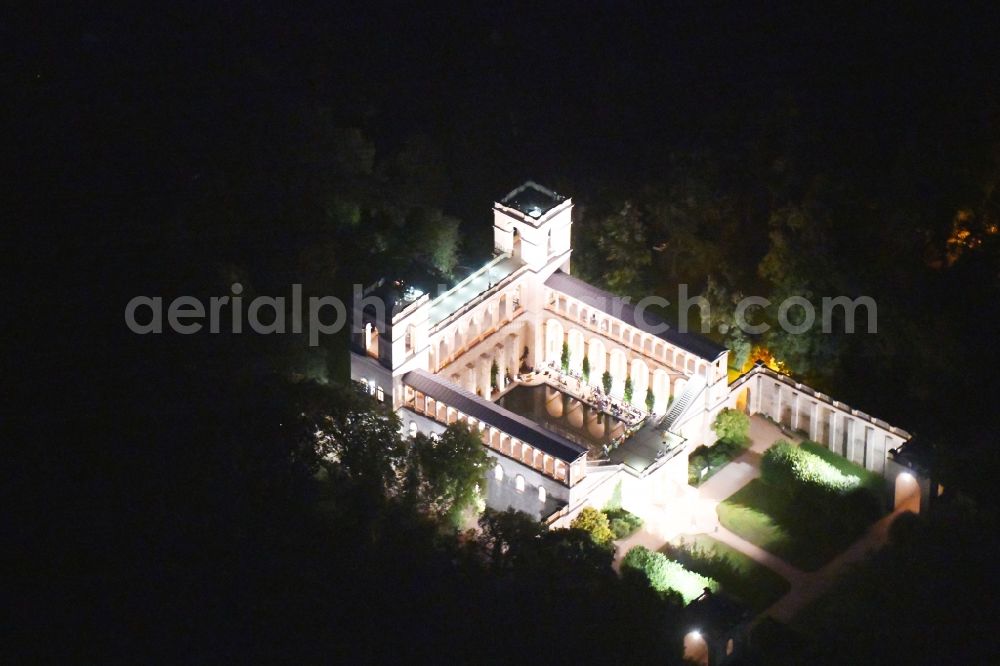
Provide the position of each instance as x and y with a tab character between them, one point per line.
465	291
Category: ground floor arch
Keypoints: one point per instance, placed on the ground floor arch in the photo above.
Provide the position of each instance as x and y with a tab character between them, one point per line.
597	359
639	373
661	390
743	400
618	367
576	349
907	493
553	340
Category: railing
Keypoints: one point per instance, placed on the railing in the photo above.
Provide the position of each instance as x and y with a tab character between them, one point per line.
478	298
691	393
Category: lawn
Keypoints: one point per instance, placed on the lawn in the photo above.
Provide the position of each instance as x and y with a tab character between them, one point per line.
737	574
782	523
768	519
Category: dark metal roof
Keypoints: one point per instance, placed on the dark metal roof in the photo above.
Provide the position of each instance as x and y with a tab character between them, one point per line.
916	454
494	415
532	199
716	611
613	305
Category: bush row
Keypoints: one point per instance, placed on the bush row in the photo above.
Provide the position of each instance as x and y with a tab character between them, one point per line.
808	480
712	457
666	575
786	466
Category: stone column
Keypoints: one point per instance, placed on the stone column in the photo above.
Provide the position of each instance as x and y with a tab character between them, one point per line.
869	448
484	375
501	358
832	443
470	377
849	427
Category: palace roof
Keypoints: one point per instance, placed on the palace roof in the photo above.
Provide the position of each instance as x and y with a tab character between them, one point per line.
615	306
468	289
493	414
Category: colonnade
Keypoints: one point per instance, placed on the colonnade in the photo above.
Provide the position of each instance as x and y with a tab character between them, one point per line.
638	341
860	438
456	337
603	355
494	438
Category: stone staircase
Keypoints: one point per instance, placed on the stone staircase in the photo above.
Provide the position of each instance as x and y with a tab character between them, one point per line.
694	388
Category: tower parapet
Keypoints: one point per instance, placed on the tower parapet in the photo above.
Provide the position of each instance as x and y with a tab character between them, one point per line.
533	224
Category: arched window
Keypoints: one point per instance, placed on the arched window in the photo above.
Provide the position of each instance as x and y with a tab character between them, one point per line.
519	483
541	494
371	340
498	472
413	429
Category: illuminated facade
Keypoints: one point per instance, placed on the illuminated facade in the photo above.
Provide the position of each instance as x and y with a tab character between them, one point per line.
523	351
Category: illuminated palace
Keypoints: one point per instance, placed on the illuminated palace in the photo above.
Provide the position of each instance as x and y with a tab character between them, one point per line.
577	395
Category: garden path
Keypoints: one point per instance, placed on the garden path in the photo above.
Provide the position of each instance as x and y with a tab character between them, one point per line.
702	518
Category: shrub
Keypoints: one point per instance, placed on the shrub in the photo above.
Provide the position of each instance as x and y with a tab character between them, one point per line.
564	357
594	522
586	369
620	528
628	389
623	523
606	381
717	457
732	425
650	401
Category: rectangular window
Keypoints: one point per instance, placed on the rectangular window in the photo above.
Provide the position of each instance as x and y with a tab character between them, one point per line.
379	394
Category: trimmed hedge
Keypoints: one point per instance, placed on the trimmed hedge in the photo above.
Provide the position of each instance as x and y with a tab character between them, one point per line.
789	467
737	573
870	480
665	575
832	491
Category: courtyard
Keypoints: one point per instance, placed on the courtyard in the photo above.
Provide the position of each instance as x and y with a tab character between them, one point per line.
775	556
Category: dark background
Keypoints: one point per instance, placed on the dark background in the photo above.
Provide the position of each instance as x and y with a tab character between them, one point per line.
174	149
